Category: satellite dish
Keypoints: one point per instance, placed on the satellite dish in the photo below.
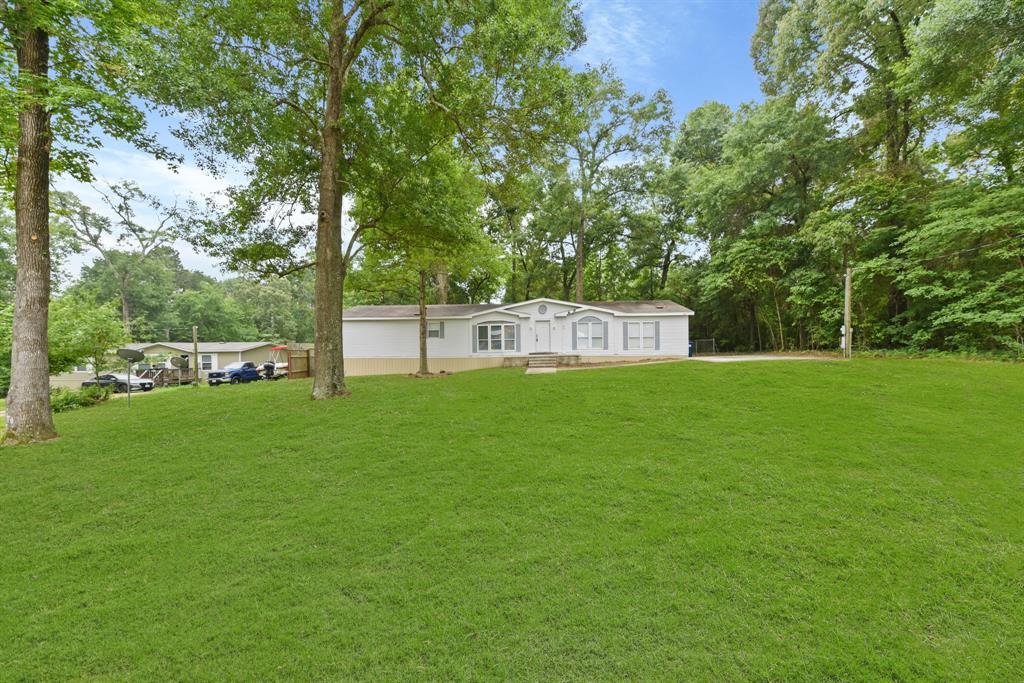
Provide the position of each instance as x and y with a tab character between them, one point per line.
131	355
179	362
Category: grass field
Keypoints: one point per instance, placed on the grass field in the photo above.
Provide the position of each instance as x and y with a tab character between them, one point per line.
764	521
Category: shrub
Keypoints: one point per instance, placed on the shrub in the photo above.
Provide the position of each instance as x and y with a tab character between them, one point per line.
62	400
997	355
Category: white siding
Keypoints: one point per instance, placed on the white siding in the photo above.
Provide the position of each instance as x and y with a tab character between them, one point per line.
673	335
400	338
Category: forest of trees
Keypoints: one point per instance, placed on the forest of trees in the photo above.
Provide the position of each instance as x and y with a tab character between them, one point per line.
401	153
889	139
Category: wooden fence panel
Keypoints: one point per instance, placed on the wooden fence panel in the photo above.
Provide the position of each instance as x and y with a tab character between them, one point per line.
300	363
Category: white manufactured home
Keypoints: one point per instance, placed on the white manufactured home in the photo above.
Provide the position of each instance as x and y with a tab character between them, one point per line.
383	339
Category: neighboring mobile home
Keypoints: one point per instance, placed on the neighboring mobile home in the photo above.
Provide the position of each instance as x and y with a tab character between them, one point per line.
385	339
212	355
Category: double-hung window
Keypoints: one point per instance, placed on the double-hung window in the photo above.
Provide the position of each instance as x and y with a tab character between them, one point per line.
496	337
435	330
640	336
206	361
590	333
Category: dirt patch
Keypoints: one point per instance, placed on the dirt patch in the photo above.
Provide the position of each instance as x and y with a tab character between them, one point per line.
430	375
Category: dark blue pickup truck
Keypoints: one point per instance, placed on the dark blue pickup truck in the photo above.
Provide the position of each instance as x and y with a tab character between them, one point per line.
234	373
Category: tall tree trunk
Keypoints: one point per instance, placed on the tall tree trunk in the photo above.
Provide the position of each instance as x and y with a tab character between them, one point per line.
126	314
753	333
581	231
778	317
563	273
329	374
666	264
424	369
442	284
29	417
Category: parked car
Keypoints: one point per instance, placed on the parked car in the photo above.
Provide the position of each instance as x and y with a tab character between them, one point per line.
234	373
120	382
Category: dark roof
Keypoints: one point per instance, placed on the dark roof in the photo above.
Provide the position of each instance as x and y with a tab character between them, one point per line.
460	310
205	347
648	306
433	311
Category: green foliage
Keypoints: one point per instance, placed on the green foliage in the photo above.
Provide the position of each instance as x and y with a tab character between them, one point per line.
967	61
219	318
91	81
80	332
483	73
279	309
889	142
63	244
964	270
63	399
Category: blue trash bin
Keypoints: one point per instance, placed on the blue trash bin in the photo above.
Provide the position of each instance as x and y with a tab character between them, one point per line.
691	350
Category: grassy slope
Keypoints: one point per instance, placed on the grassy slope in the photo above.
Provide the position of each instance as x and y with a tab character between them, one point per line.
805	520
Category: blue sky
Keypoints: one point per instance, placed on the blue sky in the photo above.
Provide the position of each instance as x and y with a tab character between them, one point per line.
698	50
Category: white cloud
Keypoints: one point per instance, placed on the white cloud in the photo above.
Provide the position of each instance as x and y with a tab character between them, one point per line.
631	36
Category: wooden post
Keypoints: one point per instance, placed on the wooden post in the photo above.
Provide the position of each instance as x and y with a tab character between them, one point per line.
195	355
847	319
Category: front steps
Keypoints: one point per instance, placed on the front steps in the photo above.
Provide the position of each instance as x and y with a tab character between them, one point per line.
541	363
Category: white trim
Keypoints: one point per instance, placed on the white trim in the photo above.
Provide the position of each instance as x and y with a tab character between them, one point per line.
618	314
492	311
489	311
629	335
655	315
488	324
590	334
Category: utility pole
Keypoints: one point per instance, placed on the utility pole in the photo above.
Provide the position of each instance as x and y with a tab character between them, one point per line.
195	355
847	329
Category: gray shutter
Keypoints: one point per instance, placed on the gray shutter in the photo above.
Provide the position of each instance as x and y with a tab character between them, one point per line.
519	337
625	335
473	333
441	331
574	336
605	323
657	335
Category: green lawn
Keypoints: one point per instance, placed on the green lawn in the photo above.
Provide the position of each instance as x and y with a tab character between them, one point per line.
766	521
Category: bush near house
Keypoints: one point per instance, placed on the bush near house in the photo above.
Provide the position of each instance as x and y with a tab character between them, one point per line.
63	399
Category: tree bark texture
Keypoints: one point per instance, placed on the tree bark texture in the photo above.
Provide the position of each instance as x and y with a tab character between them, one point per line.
329	372
29	417
424	367
579	255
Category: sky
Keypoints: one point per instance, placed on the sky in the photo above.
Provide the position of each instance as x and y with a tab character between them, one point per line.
697	50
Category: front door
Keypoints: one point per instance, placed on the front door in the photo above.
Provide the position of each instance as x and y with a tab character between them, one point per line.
543	336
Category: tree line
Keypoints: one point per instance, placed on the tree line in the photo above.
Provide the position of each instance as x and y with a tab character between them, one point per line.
408	151
889	141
